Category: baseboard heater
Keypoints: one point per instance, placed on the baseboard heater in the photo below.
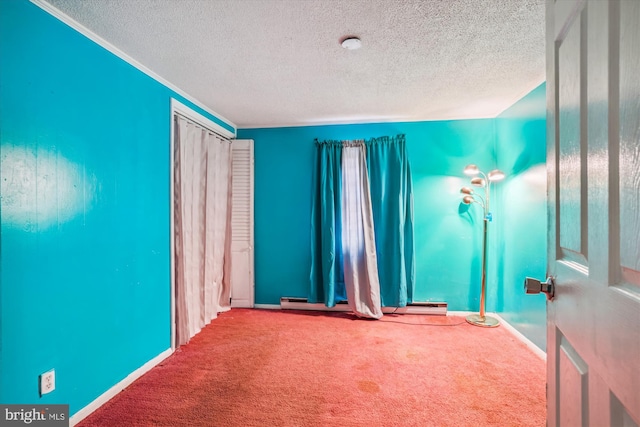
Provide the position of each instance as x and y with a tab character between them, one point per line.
436	308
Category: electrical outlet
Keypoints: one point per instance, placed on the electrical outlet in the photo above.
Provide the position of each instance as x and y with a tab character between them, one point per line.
47	382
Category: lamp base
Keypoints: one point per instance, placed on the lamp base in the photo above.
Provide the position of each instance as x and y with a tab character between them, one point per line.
484	321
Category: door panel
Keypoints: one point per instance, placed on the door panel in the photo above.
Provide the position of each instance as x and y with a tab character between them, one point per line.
629	144
574	387
571	159
593	158
242	269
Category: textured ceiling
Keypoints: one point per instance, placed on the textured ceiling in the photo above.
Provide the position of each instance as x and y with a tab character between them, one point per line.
279	62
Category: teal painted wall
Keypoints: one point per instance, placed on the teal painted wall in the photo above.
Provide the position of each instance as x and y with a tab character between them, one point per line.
85	212
447	234
84	265
522	227
447	240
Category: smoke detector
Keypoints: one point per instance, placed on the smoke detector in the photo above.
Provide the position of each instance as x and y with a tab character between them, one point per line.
351	43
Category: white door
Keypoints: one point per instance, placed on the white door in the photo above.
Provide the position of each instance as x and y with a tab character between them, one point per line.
242	278
593	134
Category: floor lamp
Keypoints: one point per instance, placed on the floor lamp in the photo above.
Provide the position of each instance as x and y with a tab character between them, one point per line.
469	196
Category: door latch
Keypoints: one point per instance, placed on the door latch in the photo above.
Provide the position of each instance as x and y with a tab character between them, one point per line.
534	286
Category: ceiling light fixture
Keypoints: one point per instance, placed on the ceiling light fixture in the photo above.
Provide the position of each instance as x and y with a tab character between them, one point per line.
351	43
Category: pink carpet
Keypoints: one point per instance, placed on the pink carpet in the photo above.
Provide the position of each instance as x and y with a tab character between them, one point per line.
295	368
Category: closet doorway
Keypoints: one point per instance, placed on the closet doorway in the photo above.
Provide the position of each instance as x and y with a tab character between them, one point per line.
201	168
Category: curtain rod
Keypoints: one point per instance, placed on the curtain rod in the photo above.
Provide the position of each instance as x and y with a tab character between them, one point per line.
354	142
200	125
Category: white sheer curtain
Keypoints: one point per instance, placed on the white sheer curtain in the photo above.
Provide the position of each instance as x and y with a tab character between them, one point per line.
358	238
202	226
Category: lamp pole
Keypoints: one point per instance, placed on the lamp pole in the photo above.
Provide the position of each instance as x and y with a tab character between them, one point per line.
482	319
483	290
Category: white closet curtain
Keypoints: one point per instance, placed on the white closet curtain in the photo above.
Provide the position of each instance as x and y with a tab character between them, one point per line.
358	238
202	227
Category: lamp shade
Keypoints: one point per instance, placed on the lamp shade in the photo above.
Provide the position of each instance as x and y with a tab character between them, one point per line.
477	181
471	170
495	175
466	190
467	200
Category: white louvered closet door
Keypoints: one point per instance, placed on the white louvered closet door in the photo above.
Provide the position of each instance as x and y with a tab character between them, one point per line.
242	269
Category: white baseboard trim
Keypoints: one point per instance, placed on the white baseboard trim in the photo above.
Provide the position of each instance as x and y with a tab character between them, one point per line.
109	394
536	350
433	308
436	308
268	306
